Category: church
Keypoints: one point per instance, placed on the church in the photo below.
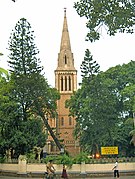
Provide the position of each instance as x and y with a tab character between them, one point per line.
66	84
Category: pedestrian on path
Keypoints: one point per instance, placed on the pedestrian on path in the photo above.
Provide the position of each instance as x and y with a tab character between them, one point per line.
116	170
50	169
64	172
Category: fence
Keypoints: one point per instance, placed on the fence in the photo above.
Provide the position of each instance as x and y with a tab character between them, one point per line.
91	161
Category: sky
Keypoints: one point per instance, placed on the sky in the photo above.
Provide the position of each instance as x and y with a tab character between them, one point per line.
46	19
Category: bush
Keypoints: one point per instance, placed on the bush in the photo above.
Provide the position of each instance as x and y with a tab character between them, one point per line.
2	159
65	160
46	160
82	157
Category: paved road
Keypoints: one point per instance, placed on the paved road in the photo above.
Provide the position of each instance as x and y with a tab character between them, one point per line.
121	177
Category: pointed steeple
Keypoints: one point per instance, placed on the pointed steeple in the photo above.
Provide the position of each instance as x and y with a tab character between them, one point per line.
65	40
65	56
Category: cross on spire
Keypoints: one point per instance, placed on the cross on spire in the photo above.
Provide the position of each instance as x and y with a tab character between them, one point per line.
65	11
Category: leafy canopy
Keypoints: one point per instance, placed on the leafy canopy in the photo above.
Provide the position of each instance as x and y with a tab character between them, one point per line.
112	15
27	97
102	105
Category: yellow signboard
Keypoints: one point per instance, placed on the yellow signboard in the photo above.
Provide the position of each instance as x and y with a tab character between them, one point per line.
109	150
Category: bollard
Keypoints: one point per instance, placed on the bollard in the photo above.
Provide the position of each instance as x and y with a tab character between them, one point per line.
83	170
22	165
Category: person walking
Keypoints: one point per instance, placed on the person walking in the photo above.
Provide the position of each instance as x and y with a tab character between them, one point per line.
116	170
50	170
64	172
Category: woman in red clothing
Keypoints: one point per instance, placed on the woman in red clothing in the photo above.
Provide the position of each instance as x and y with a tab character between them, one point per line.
64	172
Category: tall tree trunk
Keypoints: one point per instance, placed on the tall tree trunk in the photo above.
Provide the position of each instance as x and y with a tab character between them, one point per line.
52	133
45	120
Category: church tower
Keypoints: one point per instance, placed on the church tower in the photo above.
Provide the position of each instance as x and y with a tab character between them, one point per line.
66	84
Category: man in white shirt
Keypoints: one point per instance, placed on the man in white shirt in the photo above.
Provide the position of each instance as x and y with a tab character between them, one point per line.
116	170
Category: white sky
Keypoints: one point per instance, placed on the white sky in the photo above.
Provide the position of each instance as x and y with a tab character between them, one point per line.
46	18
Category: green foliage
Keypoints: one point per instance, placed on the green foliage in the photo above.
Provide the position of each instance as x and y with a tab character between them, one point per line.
23	136
3	73
48	158
23	56
92	103
112	15
89	67
132	132
127	93
65	160
24	66
2	159
31	87
26	97
1	54
81	157
124	80
102	106
30	155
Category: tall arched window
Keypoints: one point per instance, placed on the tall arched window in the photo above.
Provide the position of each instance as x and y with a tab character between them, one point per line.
61	83
62	121
65	59
65	83
70	121
69	79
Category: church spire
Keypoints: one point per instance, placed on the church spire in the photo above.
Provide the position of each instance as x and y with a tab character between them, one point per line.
65	56
65	40
66	84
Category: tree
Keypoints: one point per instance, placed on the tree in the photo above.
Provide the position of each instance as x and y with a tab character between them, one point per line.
99	107
3	72
16	134
125	87
87	105
113	15
30	91
128	94
89	67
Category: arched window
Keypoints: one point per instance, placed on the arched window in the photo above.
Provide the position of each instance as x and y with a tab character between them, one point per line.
69	83
61	83
62	121
65	83
65	59
70	121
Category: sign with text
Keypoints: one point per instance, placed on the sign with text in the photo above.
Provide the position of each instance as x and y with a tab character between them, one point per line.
109	150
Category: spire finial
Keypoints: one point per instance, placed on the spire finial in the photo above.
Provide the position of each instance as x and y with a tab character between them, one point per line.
65	11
